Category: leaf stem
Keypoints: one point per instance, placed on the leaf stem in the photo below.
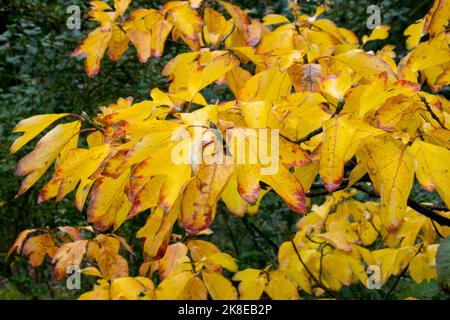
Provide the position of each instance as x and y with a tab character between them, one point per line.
320	284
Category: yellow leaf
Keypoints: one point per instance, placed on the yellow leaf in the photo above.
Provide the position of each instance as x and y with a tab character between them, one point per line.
252	284
269	85
141	28
219	287
230	195
156	231
215	26
426	55
105	250
280	288
159	36
336	267
336	85
378	93
181	286
200	251
121	6
433	167
365	64
79	164
148	196
93	49
306	174
18	243
100	292
186	21
198	206
306	77
91	271
274	19
288	187
422	269
108	201
129	288
438	17
391	168
397	113
212	71
118	44
341	139
243	24
236	78
298	114
292	267
224	260
392	260
178	175
338	134
172	258
256	113
379	33
329	27
414	32
69	254
36	163
31	127
337	240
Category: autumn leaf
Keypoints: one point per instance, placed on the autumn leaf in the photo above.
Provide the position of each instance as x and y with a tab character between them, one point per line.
93	48
198	206
38	247
391	168
129	288
379	33
31	127
69	254
280	288
181	286
219	287
105	250
35	164
367	65
433	170
252	284
295	105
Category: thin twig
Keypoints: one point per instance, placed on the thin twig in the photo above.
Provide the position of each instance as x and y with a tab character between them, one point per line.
437	230
397	281
433	115
309	136
317	131
321	285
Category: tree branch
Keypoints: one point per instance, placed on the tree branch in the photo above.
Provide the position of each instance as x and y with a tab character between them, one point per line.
443	221
433	115
320	284
317	131
425	210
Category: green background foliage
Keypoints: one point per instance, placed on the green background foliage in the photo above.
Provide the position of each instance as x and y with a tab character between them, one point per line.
37	75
